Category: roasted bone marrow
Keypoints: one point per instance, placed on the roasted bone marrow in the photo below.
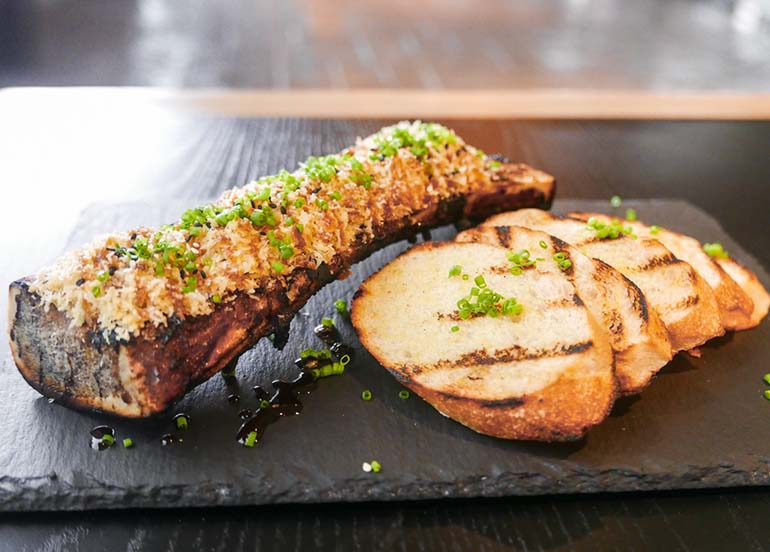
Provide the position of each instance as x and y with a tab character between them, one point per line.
130	323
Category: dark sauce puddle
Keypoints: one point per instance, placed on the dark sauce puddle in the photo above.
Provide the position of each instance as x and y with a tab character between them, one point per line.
98	433
285	399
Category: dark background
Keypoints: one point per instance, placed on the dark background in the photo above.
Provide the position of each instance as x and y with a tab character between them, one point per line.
279	44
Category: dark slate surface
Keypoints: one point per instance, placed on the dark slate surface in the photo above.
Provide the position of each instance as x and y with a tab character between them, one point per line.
700	424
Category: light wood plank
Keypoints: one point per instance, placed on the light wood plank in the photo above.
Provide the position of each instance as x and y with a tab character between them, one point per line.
405	103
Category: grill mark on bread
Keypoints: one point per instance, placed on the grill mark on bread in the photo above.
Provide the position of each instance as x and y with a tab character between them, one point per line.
658	261
515	353
503	235
688	301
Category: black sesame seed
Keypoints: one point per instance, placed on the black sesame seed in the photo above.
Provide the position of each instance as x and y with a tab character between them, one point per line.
133	236
316	190
112	270
80	282
283	210
182	273
203	274
272	205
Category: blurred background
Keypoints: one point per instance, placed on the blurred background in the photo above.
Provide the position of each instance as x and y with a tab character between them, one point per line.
429	44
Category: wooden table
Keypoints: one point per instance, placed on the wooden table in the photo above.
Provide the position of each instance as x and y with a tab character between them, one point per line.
62	150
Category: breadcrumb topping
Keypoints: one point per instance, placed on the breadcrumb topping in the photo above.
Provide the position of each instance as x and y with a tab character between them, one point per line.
124	281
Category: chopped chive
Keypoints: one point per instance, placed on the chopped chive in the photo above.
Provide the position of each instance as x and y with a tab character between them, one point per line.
376	466
766	378
615	201
631	215
300	228
251	439
654	229
327	322
543	244
108	440
322	204
465	276
715	250
192	283
345	360
456	270
264	403
335	195
181	422
479	280
103	276
341	306
278	266
767	394
96	291
128	442
366	395
403	394
216	299
455	328
299	203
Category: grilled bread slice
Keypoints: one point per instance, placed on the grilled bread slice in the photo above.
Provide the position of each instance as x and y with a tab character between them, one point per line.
735	305
683	300
638	337
545	374
753	288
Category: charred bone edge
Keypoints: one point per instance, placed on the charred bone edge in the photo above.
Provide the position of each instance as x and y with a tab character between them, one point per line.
150	372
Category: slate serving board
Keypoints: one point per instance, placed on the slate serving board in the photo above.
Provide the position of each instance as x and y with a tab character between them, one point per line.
702	423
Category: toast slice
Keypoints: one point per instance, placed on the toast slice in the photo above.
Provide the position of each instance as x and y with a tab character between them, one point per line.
735	305
638	338
683	300
753	288
544	374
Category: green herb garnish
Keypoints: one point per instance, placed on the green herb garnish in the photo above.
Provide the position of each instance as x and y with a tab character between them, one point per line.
278	266
482	301
366	395
403	394
520	261
612	230
715	250
631	215
562	260
251	439
181	422
192	283
341	306
128	442
615	201
376	466
456	270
